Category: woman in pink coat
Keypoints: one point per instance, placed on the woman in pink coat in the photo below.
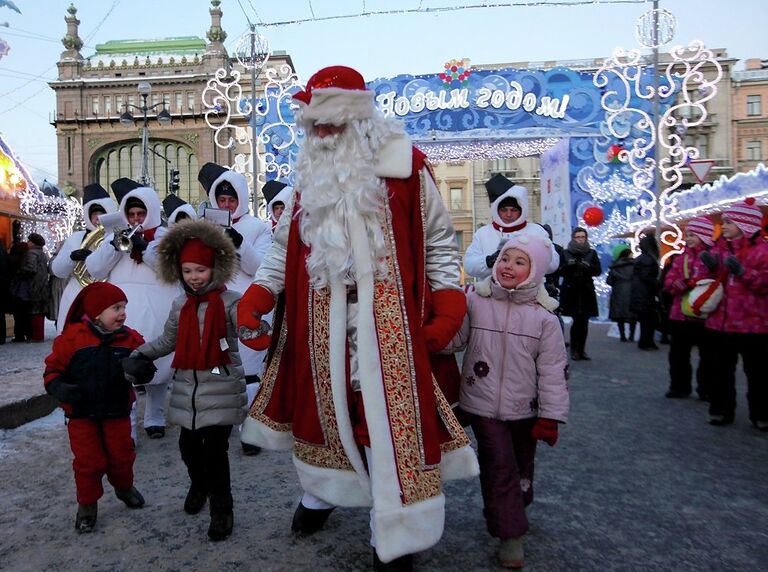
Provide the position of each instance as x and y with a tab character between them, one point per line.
513	383
688	332
739	324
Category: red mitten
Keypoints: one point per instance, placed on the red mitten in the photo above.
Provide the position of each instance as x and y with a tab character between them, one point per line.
446	316
256	302
545	430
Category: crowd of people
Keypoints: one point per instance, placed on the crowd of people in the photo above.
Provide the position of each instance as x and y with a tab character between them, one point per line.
713	296
331	330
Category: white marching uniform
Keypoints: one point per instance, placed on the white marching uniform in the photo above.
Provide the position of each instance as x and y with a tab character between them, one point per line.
63	266
488	238
149	299
257	238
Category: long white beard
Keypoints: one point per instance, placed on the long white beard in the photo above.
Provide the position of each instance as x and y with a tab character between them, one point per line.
335	175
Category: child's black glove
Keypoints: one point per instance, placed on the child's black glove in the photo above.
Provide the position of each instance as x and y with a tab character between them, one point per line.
64	392
80	254
138	368
490	260
711	261
234	236
734	266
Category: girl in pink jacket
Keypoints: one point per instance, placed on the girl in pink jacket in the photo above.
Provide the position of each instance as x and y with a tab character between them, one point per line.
513	384
739	324
687	332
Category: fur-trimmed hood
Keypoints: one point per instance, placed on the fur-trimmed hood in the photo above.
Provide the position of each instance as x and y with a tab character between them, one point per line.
520	194
108	204
149	197
169	269
280	197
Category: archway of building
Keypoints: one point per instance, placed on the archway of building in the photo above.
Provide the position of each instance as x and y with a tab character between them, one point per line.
123	159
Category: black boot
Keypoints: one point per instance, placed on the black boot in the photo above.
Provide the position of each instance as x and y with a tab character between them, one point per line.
195	500
401	564
307	521
222	518
85	521
632	327
131	497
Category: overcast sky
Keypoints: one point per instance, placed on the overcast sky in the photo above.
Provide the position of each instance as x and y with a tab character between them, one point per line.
378	46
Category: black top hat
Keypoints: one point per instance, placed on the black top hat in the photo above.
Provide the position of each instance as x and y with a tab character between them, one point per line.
271	188
171	203
497	186
208	175
94	192
122	187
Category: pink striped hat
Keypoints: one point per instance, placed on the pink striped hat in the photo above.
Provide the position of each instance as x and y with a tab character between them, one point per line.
702	227
747	216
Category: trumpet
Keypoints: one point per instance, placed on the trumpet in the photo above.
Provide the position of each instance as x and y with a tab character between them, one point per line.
122	240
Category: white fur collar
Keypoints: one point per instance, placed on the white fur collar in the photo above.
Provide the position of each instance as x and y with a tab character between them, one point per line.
395	159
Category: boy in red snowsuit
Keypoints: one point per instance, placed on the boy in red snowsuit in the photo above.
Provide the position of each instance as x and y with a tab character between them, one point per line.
84	373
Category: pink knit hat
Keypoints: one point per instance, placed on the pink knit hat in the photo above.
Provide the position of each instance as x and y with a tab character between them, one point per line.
746	216
702	227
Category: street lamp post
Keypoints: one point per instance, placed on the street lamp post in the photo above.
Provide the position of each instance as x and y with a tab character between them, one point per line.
127	119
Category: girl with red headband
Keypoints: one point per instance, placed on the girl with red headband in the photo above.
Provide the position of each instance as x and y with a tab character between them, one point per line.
208	395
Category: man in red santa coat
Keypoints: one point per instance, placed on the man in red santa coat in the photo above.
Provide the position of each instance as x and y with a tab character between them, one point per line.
367	257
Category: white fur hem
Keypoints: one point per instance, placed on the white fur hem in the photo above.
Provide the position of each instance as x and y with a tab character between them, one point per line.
334	486
409	529
256	433
337	106
459	464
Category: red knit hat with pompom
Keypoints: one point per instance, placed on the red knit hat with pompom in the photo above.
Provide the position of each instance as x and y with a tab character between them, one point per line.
93	300
747	216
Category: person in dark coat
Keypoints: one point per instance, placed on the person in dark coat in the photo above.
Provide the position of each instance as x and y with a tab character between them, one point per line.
620	281
18	307
645	286
4	294
577	295
29	287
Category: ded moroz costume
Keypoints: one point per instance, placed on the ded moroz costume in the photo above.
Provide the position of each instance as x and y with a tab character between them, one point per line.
366	255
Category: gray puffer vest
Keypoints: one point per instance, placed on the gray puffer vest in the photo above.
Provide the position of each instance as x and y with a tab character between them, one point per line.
201	398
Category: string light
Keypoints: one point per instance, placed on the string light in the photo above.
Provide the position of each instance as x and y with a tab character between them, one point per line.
714	198
483	150
610	189
436	10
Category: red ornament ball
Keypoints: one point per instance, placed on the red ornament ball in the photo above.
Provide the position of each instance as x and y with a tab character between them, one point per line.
593	216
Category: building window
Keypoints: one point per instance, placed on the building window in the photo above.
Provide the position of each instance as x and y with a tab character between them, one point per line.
754	150
457	199
107	105
179	100
753	105
119	103
191	100
131	100
155	98
95	105
460	240
702	142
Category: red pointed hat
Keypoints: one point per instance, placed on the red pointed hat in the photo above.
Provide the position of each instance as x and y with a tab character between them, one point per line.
335	95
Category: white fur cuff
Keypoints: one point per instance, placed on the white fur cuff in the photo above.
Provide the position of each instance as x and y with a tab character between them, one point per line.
334	486
338	106
409	529
256	433
459	464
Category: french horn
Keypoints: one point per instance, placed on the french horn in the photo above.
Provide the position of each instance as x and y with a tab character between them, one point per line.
91	241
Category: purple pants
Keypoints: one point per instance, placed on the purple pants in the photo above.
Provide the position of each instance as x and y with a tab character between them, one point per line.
506	451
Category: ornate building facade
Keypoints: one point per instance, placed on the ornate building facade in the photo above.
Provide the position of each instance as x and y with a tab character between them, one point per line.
92	93
750	115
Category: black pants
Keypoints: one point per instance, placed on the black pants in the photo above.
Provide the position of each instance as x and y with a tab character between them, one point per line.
624	335
22	320
686	336
579	331
204	451
647	329
753	348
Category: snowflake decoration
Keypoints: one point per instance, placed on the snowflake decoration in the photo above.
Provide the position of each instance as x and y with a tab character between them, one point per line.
456	73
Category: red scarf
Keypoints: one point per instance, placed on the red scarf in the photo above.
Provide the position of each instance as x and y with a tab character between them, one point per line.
513	228
149	236
191	351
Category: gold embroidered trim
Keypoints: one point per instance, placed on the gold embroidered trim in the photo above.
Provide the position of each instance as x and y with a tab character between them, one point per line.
268	385
330	454
417	482
459	437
